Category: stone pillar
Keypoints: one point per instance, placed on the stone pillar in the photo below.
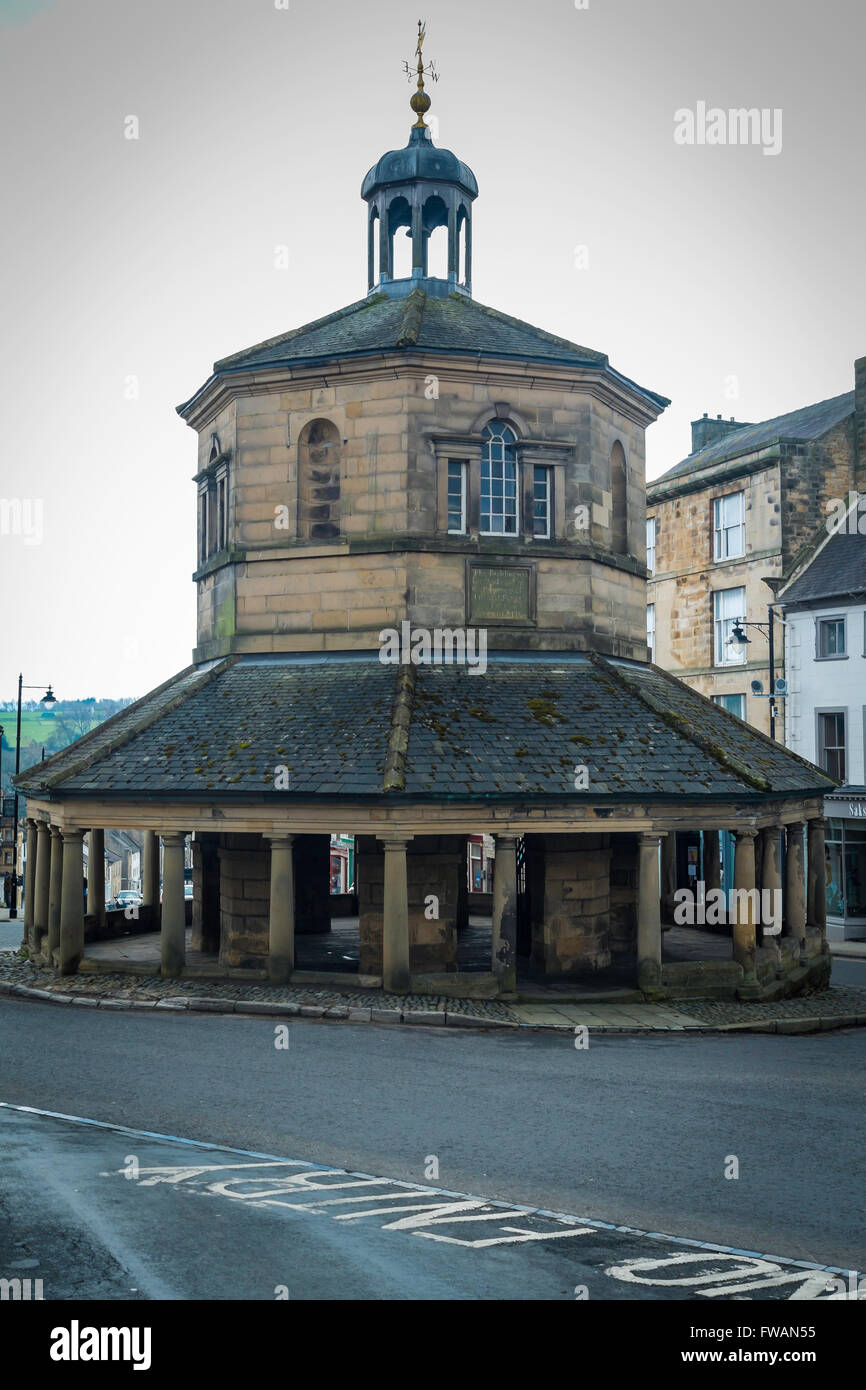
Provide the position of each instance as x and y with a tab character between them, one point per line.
744	901
504	935
771	886
669	875
30	882
395	918
795	885
42	879
72	902
173	928
649	927
712	868
817	904
281	922
55	893
150	874
96	876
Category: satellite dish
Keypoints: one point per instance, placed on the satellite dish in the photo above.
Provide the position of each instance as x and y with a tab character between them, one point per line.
781	686
757	687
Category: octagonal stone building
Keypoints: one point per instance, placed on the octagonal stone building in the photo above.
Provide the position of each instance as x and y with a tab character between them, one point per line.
421	592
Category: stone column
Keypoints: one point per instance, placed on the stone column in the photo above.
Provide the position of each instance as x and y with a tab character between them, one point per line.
771	886
96	876
281	930
744	902
173	936
395	919
795	885
55	893
649	928
30	882
150	875
504	935
669	875
72	902
817	905
41	883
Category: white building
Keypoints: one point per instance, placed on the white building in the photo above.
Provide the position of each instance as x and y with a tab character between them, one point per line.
824	607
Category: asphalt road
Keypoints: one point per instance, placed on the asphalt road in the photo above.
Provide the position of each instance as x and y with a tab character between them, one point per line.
633	1131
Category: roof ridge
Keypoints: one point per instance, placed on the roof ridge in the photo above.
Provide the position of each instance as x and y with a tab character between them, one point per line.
591	354
410	324
753	730
394	775
677	722
107	723
730	439
89	757
344	312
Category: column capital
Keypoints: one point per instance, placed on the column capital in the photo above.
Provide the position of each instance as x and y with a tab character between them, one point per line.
651	837
279	838
744	833
795	825
394	842
819	822
174	837
71	834
505	840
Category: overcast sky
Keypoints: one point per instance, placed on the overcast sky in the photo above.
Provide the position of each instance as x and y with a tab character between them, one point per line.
728	279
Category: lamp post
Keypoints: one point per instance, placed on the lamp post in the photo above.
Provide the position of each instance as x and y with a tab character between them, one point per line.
738	640
49	698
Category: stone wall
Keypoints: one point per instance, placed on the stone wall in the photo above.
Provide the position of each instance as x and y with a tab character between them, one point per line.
435	867
282	592
244	867
574	935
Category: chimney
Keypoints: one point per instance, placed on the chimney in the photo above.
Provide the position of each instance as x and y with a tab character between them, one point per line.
860	424
707	431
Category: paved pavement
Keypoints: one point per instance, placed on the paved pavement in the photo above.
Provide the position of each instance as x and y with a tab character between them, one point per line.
256	1226
634	1131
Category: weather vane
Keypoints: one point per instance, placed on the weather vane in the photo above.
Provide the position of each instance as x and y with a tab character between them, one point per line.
419	101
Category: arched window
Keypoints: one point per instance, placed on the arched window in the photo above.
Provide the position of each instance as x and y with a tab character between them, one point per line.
618	500
319	481
400	242
435	226
499	480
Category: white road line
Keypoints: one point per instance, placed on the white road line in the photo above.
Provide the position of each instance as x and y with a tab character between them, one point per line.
589	1224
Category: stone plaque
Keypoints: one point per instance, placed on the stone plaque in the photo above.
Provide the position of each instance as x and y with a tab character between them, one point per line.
499	594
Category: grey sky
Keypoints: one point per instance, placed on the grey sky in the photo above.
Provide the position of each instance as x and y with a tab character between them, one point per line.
151	258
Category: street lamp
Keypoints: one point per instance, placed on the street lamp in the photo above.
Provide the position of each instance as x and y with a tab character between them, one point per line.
49	698
739	640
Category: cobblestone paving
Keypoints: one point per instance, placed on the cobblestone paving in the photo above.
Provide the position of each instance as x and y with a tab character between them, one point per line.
16	970
836	1002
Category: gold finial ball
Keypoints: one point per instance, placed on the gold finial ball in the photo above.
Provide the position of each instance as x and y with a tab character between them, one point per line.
420	102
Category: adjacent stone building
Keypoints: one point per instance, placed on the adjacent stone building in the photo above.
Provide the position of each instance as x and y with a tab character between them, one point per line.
728	524
421	617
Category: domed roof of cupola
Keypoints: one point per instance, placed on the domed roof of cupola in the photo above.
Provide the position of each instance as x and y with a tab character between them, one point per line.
419	160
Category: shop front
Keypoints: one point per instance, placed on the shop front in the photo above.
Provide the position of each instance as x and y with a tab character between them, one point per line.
845	851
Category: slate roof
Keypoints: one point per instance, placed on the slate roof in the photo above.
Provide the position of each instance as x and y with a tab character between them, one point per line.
337	723
379	323
837	571
811	422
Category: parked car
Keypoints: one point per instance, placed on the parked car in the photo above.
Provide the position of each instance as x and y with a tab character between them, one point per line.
128	897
